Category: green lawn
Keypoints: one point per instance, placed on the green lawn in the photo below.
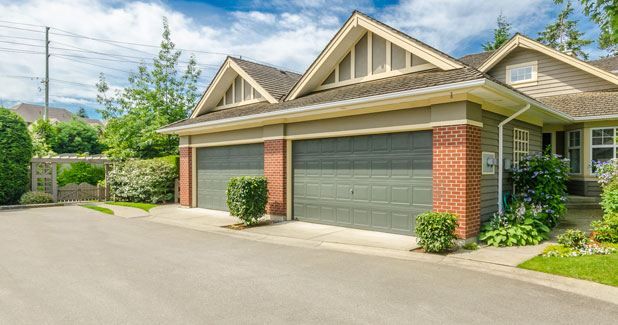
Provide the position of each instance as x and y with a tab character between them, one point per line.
597	268
97	208
144	206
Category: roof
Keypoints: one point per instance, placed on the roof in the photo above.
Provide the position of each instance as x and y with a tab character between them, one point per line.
476	59
417	80
610	64
275	81
31	113
593	103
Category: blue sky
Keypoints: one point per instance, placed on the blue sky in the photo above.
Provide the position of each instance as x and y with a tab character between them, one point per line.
288	34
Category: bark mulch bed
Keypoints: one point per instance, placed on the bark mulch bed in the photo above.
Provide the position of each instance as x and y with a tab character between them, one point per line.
241	226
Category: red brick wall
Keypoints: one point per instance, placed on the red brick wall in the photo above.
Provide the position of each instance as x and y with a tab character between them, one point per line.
275	164
185	176
457	175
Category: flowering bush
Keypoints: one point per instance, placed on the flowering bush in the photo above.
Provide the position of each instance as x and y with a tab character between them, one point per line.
522	226
606	230
143	181
573	239
541	179
586	250
606	171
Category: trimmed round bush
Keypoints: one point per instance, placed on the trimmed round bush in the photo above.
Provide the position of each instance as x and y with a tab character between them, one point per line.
15	154
436	231
247	197
150	181
36	198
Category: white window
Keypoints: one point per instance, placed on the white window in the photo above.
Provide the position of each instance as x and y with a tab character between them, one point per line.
521	140
574	151
603	144
521	74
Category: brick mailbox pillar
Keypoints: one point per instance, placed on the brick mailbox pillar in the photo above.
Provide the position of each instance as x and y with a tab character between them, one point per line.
457	175
186	176
275	164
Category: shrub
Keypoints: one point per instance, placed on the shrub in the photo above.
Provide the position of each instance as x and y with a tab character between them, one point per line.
606	171
522	226
77	136
436	231
470	247
143	181
81	172
36	198
606	230
573	239
541	179
609	198
172	159
247	197
15	154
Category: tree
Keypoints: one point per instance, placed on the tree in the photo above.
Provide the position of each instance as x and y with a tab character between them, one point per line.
563	34
605	14
77	136
502	33
44	137
154	98
15	155
82	113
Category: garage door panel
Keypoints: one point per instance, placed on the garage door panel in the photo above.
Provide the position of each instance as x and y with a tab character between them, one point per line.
378	182
215	167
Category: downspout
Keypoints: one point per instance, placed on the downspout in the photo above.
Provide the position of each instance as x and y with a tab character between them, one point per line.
501	151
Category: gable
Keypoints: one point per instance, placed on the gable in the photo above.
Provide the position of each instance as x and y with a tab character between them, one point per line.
344	43
551	76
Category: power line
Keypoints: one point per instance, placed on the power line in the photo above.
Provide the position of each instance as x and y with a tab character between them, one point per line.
28	38
25	24
93	64
7	49
26	29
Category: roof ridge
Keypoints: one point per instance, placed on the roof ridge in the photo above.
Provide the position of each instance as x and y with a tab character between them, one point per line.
264	65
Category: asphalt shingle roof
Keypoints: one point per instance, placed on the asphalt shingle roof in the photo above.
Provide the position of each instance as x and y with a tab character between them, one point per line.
275	81
593	103
31	113
609	64
476	59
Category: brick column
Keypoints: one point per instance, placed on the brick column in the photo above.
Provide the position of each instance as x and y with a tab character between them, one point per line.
275	159
186	176
457	175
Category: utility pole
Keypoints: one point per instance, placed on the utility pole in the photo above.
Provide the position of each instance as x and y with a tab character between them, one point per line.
45	116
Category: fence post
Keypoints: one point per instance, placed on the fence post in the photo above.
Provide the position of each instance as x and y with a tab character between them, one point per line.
176	191
34	181
106	182
54	182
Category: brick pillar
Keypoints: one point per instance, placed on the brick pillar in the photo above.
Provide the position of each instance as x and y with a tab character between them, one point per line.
457	175
186	177
275	170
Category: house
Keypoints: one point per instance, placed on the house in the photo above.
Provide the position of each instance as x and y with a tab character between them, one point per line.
382	127
31	113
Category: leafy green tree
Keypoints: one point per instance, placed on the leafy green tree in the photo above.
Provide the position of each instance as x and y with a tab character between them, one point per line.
44	134
563	35
502	33
605	14
15	155
81	172
154	98
82	113
77	136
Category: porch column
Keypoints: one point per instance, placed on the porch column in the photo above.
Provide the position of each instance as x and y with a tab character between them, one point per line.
275	170
186	176
457	175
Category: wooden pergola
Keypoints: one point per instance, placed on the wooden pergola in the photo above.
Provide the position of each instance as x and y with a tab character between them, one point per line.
43	169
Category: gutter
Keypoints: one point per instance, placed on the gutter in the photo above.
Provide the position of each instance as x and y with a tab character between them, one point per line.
501	151
453	86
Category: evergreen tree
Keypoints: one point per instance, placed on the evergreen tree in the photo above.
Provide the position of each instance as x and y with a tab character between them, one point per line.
563	35
153	99
82	113
502	33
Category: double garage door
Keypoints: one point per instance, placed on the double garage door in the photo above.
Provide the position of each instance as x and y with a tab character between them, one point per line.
375	182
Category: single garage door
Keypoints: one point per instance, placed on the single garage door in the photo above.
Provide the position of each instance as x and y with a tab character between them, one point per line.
375	182
215	167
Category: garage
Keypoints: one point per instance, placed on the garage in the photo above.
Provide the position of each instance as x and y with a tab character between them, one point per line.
376	182
216	165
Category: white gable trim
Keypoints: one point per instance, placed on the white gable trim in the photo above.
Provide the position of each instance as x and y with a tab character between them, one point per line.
524	42
219	85
349	33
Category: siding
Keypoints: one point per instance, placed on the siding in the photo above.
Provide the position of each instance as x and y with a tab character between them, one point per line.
554	77
489	143
583	188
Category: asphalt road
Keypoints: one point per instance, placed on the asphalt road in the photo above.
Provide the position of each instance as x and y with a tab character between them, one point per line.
73	265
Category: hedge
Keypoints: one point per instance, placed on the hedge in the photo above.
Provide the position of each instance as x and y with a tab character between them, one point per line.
15	155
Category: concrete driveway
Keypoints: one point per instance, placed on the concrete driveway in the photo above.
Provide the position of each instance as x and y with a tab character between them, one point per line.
74	265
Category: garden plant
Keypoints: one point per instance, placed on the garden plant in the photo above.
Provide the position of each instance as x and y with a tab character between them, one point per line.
15	154
247	197
436	231
149	181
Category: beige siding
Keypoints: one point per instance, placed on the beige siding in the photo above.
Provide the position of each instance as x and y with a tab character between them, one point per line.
554	77
489	143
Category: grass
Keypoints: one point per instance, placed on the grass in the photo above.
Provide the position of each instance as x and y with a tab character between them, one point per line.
97	208
144	206
597	268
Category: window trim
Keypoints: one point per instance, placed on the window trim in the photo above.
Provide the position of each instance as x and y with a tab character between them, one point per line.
614	146
568	148
531	82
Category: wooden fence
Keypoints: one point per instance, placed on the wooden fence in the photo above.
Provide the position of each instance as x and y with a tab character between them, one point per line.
82	192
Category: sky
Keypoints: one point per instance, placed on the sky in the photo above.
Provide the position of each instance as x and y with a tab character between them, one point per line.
287	34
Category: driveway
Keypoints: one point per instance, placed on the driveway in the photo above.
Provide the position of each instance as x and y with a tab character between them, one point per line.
74	265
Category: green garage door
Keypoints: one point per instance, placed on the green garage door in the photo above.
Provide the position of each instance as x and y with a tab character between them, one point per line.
375	182
215	167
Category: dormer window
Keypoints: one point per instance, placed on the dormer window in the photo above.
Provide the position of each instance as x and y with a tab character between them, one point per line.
521	73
